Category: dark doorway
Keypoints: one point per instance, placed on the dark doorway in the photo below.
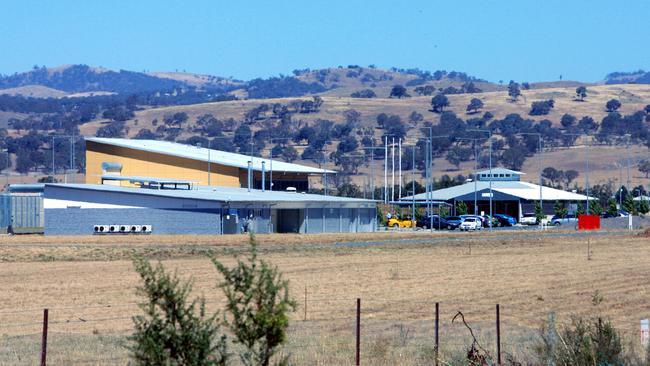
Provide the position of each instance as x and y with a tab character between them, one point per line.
288	221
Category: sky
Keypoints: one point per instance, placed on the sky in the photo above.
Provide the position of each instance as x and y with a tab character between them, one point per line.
522	40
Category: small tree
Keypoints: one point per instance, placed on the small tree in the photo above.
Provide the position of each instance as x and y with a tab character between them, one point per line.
538	212
644	207
581	93
474	105
611	207
173	331
439	102
399	92
595	208
461	208
559	209
258	306
644	167
628	204
513	91
612	105
580	209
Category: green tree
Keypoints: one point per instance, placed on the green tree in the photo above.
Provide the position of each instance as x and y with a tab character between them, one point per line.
538	212
559	209
474	105
612	105
644	207
644	167
399	92
628	203
461	208
173	330
514	91
258	304
580	209
439	102
611	207
595	208
581	93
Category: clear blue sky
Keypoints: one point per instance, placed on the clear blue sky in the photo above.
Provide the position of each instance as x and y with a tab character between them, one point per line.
524	40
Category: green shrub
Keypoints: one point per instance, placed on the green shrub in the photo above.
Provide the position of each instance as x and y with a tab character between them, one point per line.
258	304
173	331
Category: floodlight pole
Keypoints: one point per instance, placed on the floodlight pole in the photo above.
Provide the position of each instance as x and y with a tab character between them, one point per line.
489	132
209	173
539	148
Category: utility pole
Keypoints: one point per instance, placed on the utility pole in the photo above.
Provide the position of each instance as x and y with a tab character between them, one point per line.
386	169
392	180
489	132
400	168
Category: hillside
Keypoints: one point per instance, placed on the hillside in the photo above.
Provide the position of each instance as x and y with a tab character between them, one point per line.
605	166
320	102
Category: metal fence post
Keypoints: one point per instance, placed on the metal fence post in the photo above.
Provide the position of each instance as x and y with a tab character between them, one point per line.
437	331
358	354
44	339
498	336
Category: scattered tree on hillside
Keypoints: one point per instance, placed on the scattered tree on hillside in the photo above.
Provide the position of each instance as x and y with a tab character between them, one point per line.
415	118
514	157
365	93
567	121
425	90
457	155
644	167
587	124
513	91
398	91
438	103
612	105
542	107
474	105
581	93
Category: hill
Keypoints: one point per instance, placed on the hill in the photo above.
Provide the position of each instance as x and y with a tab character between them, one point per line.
34	91
634	77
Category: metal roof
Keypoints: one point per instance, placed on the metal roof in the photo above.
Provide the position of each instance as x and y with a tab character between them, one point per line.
212	193
521	190
143	179
201	154
497	170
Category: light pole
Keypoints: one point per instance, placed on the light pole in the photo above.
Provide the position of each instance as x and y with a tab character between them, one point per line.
540	151
6	151
271	160
475	172
54	137
489	132
586	166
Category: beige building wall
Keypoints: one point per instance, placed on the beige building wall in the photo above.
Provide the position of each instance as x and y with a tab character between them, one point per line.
143	163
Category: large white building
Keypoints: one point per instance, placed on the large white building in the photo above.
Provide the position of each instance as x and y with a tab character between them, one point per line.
510	195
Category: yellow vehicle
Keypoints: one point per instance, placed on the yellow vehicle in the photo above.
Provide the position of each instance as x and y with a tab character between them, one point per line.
397	223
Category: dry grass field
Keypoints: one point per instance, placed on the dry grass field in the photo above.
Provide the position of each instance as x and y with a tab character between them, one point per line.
89	285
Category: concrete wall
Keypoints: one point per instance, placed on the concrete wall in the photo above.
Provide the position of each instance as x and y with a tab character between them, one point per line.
76	221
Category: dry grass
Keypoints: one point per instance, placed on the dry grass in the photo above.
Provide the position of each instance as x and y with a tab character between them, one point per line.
530	274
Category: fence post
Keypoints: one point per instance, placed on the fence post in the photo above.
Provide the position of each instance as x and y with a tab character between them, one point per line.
358	355
44	339
498	336
305	303
437	331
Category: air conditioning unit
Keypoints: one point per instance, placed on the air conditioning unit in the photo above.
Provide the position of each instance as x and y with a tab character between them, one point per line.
135	228
124	228
96	229
146	229
113	229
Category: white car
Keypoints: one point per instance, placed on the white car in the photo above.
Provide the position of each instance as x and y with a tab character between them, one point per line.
470	223
529	219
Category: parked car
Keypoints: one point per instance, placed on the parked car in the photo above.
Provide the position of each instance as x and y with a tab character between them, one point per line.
486	221
397	223
471	223
568	219
529	218
437	222
505	220
453	222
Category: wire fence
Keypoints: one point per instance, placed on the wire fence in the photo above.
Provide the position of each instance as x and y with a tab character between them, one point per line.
322	331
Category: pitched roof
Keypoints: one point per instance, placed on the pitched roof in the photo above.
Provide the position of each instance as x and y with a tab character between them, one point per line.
201	154
497	170
213	193
521	190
